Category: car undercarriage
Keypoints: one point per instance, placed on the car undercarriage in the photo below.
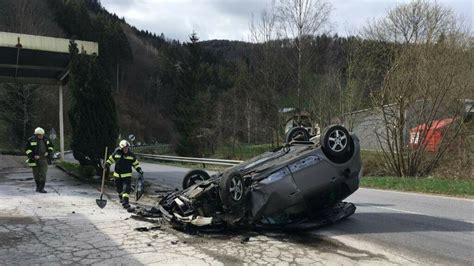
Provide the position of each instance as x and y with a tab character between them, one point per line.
296	186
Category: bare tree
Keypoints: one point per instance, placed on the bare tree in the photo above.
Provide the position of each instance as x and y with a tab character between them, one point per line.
299	20
264	33
18	109
366	63
420	21
430	75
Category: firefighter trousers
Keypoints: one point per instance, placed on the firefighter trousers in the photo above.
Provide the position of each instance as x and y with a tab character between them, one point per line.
124	186
39	173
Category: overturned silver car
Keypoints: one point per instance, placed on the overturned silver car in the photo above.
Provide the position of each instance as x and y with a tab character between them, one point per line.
301	184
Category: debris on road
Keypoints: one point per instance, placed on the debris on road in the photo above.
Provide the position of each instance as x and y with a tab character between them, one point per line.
245	239
147	229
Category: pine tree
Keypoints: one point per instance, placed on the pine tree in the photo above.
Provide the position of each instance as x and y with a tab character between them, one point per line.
192	81
92	114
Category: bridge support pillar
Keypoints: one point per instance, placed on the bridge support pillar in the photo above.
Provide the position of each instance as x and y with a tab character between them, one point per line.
61	122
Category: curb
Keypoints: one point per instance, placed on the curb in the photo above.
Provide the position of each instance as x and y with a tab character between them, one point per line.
69	173
85	180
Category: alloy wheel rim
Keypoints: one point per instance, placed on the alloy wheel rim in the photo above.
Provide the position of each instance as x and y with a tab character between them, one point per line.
337	140
236	188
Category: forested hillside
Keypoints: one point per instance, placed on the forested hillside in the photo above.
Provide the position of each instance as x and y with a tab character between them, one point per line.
239	87
202	95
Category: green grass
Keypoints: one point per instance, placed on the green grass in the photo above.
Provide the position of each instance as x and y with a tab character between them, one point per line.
154	149
241	152
451	187
70	167
81	171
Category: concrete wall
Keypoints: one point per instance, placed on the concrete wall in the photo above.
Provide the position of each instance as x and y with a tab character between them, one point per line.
366	124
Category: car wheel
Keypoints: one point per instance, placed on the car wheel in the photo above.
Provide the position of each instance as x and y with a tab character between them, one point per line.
337	144
232	189
297	134
194	177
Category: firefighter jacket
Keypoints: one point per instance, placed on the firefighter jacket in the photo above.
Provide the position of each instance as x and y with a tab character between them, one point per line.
123	163
31	149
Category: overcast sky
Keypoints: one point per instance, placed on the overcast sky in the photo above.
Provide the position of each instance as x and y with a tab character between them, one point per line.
229	19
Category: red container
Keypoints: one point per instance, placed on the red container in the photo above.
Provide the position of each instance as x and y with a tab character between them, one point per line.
433	136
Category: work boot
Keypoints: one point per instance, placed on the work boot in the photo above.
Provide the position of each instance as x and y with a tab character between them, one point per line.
41	188
125	203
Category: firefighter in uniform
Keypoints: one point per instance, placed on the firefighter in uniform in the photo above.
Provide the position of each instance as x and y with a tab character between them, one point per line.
124	159
39	150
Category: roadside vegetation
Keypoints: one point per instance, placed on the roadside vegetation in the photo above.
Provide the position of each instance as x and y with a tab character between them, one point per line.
75	169
164	149
452	187
241	152
453	176
69	167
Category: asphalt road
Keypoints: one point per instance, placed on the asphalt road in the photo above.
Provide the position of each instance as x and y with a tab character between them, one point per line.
434	229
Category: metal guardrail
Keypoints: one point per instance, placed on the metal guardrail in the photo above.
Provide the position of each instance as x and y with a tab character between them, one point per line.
202	161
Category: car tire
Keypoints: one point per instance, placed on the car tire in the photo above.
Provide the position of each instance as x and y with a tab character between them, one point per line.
194	177
337	144
232	189
297	134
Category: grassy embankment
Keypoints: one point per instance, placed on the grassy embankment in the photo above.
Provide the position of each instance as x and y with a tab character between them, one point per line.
374	176
453	187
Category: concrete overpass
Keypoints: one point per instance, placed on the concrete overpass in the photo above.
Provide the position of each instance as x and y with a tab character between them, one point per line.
32	59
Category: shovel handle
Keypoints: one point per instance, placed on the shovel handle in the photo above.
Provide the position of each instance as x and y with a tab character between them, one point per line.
103	174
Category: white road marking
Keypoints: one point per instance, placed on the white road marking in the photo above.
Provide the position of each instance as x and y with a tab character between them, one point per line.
417	213
418	194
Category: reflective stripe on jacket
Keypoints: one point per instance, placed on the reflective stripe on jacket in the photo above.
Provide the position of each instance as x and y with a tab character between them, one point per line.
31	149
123	163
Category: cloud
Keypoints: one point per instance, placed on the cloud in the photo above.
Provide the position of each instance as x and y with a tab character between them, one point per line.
177	19
229	19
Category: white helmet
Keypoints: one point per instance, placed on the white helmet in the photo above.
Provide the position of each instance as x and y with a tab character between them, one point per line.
39	131
124	144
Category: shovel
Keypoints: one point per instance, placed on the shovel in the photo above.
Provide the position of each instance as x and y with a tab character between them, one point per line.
102	202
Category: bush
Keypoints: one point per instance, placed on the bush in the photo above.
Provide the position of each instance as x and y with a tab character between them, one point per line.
87	171
155	149
373	164
241	151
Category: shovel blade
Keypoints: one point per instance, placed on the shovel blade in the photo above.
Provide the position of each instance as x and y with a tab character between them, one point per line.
101	203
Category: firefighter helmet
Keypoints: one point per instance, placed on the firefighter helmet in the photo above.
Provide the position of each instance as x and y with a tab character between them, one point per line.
124	144
39	131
